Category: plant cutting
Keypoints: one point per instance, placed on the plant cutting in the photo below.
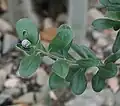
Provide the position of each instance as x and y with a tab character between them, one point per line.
66	70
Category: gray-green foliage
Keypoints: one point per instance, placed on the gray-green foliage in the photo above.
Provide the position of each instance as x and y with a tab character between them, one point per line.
67	71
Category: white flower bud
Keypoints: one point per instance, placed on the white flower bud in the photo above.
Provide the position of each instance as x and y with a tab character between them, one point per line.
26	43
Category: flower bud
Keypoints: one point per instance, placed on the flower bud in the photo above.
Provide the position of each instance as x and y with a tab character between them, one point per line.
26	43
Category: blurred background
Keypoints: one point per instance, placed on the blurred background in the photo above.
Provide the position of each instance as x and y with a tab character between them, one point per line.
48	15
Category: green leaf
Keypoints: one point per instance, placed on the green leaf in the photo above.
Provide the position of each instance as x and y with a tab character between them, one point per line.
98	84
62	39
72	71
116	45
79	82
64	51
70	57
112	58
106	3
114	8
109	70
57	82
28	51
29	65
110	5
105	23
113	14
26	29
61	68
117	2
83	51
87	63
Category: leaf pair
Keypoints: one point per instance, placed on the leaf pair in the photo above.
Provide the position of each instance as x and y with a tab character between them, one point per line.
28	31
60	70
98	84
107	71
63	76
77	82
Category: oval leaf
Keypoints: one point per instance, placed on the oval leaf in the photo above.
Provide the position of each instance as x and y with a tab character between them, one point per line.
112	58
101	24
116	45
115	1
62	39
113	14
57	82
113	8
61	68
111	5
83	51
29	65
27	30
72	71
86	63
64	51
107	71
98	84
79	82
105	2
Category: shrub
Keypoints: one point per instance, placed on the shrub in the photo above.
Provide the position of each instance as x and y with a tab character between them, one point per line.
66	70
